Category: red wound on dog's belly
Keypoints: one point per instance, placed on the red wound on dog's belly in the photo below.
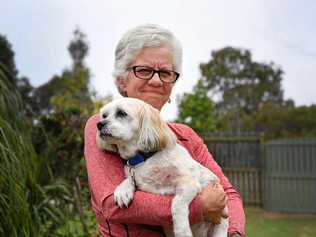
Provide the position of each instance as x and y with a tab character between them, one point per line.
165	176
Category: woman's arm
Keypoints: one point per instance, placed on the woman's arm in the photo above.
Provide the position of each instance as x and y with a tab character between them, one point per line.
235	206
105	172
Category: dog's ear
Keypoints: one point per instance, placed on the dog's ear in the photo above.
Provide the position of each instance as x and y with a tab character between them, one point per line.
154	134
102	144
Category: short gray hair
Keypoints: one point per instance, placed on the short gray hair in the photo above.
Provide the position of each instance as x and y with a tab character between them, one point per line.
134	40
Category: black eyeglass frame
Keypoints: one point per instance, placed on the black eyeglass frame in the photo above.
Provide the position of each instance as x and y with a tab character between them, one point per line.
177	75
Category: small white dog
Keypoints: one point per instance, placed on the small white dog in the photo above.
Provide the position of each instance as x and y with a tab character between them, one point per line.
155	162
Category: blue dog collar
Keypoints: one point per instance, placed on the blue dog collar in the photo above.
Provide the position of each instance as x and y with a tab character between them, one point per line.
139	158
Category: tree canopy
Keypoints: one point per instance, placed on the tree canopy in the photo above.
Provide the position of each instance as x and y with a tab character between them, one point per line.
7	57
72	88
240	85
78	47
196	109
236	94
64	104
22	84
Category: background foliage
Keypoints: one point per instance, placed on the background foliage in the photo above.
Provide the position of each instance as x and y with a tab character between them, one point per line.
242	96
31	202
43	180
197	109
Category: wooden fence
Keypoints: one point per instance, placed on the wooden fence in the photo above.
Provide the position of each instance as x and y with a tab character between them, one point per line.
279	175
240	157
290	176
248	183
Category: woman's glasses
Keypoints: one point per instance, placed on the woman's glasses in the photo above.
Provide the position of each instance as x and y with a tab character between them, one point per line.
146	73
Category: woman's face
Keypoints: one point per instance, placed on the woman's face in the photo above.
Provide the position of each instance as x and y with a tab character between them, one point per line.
153	91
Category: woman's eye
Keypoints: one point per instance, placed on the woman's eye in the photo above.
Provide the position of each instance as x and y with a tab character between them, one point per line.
144	71
120	113
165	74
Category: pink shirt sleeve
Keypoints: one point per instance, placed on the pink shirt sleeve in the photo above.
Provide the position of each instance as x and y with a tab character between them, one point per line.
105	172
237	218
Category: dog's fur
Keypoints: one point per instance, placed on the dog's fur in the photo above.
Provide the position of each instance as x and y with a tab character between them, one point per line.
128	126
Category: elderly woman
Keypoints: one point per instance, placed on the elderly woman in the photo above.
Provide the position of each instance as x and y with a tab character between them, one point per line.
147	64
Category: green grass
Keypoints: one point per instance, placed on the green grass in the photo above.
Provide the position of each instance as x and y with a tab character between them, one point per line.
264	224
259	224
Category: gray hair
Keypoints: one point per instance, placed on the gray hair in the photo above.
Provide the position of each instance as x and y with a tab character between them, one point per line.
134	40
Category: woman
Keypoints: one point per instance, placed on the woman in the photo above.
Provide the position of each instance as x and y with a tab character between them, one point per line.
147	64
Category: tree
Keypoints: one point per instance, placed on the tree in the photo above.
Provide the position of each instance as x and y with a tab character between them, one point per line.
78	48
283	121
7	58
196	109
241	85
72	87
22	84
65	102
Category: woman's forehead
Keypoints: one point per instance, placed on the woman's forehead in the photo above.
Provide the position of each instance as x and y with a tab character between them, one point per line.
152	56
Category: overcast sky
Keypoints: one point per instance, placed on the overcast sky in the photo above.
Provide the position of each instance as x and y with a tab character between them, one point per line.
283	32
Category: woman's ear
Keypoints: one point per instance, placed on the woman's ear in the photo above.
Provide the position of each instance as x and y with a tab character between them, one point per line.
121	82
154	135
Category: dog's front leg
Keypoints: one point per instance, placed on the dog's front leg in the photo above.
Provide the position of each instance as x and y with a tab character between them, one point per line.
221	229
124	193
186	190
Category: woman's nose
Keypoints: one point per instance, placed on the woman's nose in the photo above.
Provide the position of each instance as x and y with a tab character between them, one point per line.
155	80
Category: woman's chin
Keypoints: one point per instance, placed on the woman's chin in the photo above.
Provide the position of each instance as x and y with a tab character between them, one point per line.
156	102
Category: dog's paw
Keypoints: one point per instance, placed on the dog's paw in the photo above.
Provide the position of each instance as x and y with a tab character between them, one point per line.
124	193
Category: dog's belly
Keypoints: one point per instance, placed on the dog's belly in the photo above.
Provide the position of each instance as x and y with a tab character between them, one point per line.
160	180
162	173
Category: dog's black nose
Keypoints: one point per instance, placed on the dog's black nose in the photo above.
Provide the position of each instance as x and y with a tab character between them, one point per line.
101	124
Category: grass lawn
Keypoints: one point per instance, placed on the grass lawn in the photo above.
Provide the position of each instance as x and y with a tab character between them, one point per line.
264	224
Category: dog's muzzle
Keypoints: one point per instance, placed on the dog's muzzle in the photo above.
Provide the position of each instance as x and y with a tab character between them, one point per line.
101	125
104	132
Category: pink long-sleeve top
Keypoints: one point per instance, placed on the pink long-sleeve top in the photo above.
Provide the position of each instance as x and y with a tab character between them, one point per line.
147	211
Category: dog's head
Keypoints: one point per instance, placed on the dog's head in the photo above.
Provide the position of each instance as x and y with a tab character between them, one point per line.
130	125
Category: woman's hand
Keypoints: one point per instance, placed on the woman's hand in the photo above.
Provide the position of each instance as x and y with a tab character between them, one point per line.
213	200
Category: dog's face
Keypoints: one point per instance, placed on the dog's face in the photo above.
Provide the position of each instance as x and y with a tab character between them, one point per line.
118	122
133	124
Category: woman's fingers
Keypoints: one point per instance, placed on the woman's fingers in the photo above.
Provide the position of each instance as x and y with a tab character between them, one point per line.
213	200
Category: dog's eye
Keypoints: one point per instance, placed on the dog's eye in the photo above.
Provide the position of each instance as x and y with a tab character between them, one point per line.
120	113
104	115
